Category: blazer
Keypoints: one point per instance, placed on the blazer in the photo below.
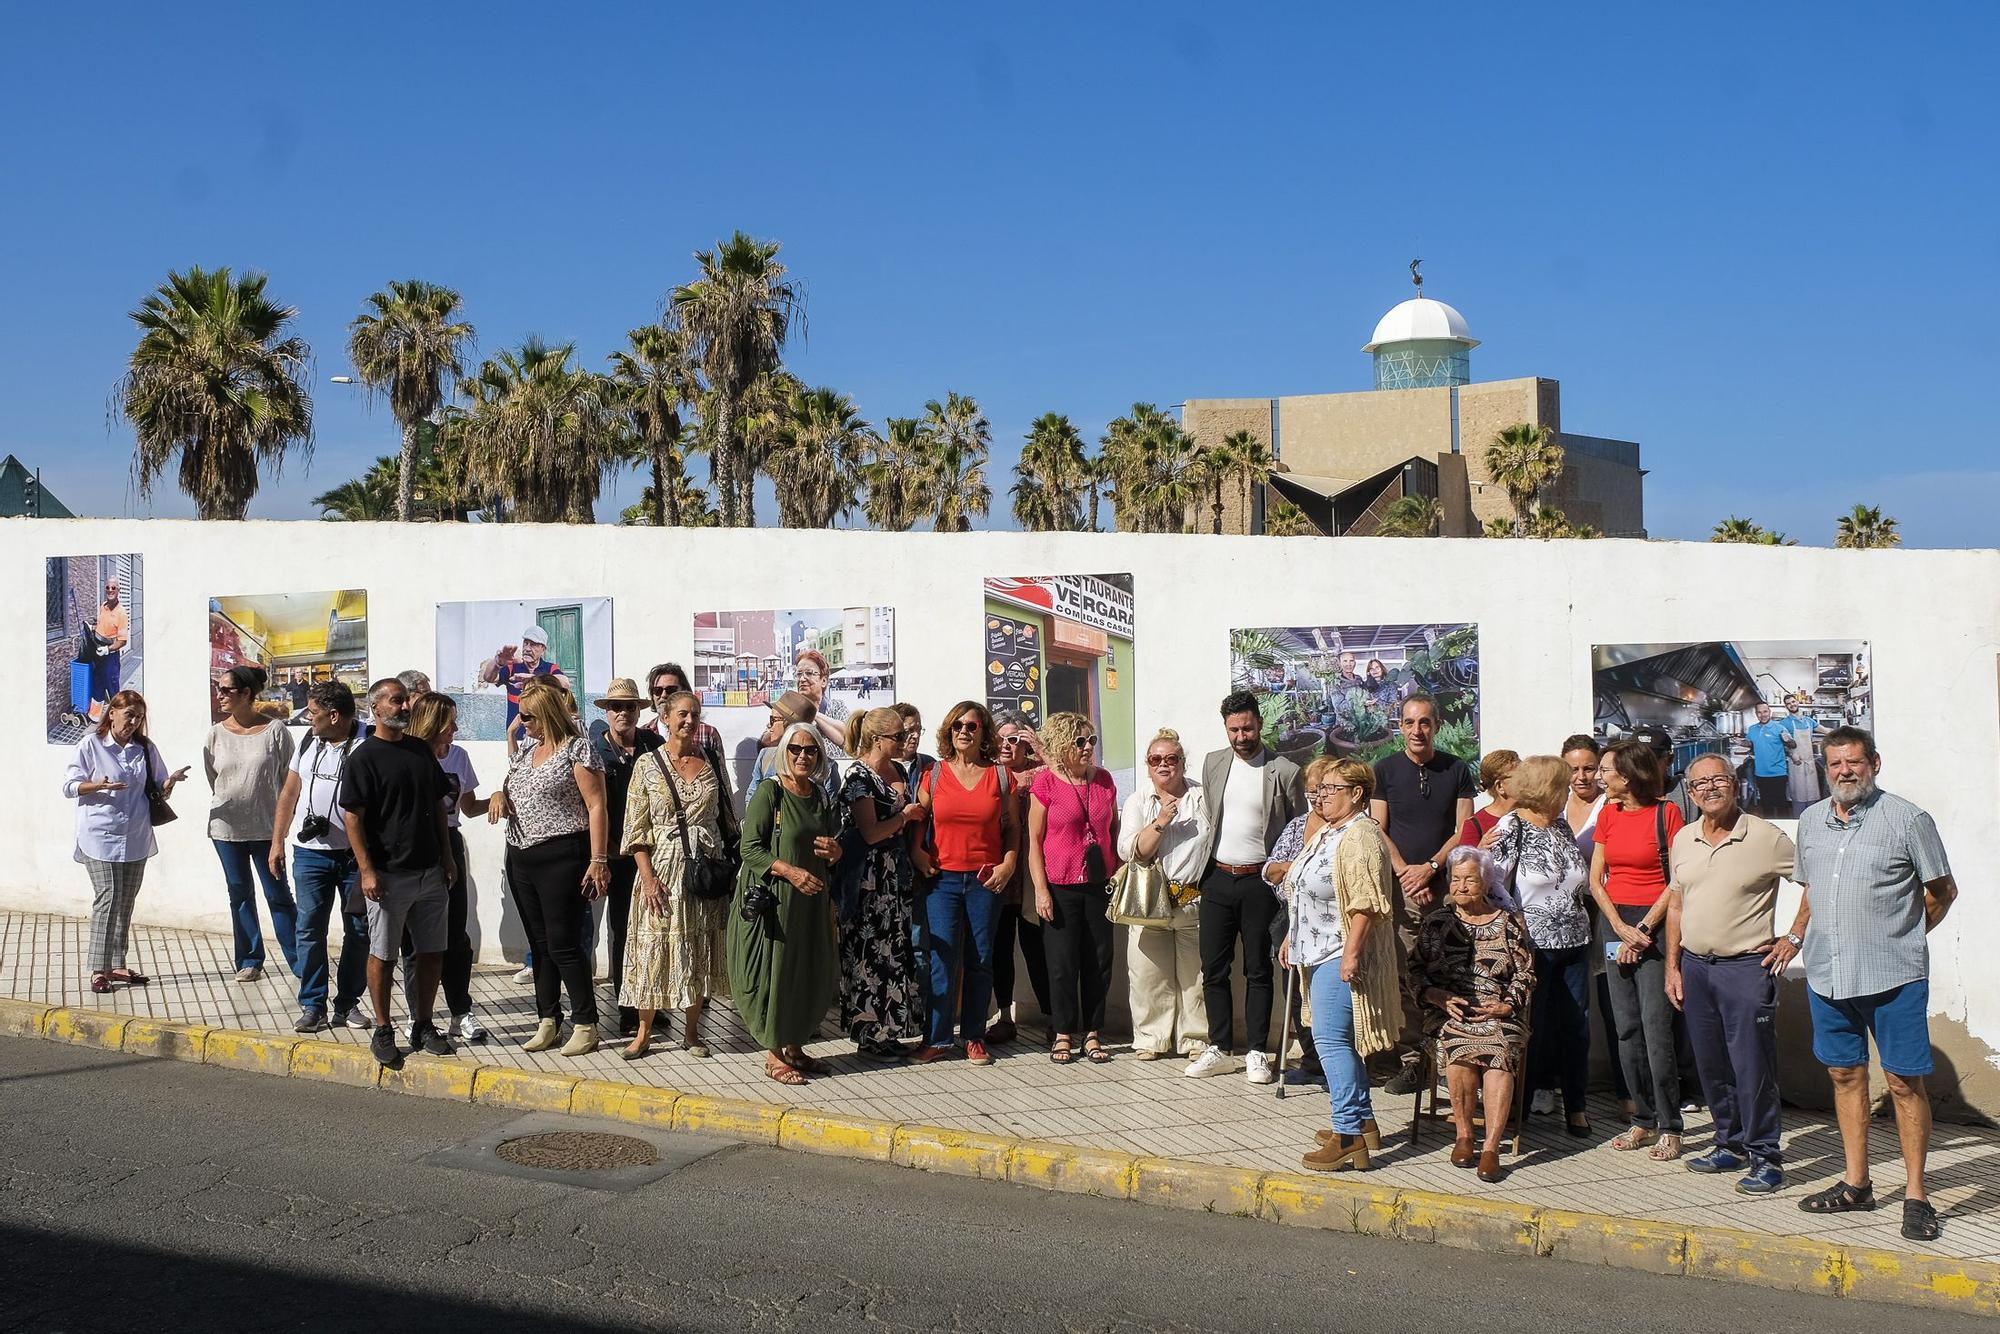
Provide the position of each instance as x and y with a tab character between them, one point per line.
1284	795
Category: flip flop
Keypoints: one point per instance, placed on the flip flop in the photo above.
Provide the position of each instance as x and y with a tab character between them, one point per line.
783	1073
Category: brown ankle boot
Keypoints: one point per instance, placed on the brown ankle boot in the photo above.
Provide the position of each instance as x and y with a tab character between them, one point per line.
1338	1154
1463	1154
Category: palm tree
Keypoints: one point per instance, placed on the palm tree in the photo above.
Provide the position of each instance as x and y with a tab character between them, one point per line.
896	478
1866	526
215	381
407	349
1097	475
362	499
692	505
653	382
817	456
1523	459
957	437
738	314
1734	529
1771	537
540	433
1287	520
1149	459
1498	527
1051	477
1254	466
1214	465
1411	516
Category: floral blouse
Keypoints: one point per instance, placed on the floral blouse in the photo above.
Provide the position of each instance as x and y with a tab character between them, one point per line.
543	799
1548	876
1317	931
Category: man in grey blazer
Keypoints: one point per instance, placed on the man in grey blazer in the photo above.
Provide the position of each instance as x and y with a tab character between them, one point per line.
1252	795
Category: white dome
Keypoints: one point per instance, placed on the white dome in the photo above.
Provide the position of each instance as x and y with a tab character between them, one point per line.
1421	318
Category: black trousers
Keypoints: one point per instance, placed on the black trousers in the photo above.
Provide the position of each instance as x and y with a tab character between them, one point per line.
617	913
1078	943
1015	924
457	979
1234	906
547	880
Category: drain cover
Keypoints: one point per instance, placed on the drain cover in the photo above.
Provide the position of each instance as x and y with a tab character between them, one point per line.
577	1151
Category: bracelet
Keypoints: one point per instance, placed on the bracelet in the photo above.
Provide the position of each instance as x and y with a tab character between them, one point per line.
600	859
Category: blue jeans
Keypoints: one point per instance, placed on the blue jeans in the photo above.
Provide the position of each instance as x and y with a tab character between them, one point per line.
1333	1036
324	879
960	911
241	861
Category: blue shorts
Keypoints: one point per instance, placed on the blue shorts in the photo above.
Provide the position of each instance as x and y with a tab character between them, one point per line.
1898	1019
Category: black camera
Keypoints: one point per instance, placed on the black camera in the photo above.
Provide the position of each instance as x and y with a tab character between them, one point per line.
315	827
759	901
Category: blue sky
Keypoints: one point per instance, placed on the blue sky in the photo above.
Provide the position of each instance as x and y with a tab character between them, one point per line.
1757	239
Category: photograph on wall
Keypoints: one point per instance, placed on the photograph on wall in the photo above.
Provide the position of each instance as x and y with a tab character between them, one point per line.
843	659
1063	643
486	651
1764	705
299	639
95	637
1339	689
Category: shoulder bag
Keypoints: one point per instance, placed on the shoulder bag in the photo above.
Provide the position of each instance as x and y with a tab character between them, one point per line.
158	810
1141	895
713	874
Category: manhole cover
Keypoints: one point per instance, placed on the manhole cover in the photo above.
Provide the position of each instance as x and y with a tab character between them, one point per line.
577	1151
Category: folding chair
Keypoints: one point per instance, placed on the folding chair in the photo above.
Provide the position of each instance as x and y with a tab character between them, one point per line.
1431	1080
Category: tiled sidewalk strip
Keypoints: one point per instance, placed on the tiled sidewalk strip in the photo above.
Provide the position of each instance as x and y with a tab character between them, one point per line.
1337	1204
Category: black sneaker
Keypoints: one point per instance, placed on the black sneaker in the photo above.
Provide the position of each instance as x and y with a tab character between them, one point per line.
434	1042
383	1044
311	1020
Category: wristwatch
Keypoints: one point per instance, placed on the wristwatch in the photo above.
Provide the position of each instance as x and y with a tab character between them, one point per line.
1433	865
1798	941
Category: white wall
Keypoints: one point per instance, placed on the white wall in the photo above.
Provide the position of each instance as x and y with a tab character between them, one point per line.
1932	617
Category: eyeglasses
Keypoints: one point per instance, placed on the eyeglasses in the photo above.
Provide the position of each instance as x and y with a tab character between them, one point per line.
1717	783
1163	761
1423	782
966	725
802	750
1328	789
1085	742
911	733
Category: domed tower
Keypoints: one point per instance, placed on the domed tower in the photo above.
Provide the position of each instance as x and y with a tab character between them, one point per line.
1421	344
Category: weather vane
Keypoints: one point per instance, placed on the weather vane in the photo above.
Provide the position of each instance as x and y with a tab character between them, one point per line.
1417	277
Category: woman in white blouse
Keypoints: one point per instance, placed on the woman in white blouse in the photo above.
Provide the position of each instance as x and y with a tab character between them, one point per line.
108	779
247	755
1166	824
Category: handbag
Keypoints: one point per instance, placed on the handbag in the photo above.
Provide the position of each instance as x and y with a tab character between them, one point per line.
713	874
1140	896
158	810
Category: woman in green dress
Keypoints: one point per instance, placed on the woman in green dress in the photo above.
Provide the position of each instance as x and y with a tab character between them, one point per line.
784	961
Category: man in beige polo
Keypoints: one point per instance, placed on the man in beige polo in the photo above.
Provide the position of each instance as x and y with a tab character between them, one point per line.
1723	973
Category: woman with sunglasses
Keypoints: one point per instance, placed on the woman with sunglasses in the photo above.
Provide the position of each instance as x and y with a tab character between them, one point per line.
247	756
881	992
1167	825
971	803
1021	756
1072	851
784	964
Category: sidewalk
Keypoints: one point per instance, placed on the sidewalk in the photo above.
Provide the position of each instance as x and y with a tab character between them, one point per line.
1137	1107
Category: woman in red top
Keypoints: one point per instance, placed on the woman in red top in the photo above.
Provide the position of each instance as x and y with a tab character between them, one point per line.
1495	768
1629	881
971	804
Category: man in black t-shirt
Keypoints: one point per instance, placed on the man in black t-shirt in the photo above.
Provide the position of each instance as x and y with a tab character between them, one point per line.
392	800
1422	799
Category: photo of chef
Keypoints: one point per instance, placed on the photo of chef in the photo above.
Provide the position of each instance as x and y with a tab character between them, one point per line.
486	651
1339	689
94	636
1064	644
298	639
1763	705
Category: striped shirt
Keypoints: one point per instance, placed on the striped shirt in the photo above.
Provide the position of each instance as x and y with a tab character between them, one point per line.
1865	879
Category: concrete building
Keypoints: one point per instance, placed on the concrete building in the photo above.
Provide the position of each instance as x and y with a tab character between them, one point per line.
1422	430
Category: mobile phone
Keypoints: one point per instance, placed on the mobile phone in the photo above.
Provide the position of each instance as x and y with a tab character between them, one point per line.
1611	948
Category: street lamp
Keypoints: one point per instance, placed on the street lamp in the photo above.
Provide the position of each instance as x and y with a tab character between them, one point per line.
342	379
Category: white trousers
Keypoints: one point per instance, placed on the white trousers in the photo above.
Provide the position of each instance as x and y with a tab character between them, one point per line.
1163	964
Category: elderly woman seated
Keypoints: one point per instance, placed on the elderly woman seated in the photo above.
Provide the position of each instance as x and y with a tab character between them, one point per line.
1474	972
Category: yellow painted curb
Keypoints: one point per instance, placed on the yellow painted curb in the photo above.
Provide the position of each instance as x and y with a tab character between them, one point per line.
1622	1243
1209	1187
752	1122
1297	1200
839	1136
1793	1263
86	1028
432	1077
965	1153
530	1090
175	1042
335	1063
1498	1226
249	1051
1072	1168
24	1019
1923	1280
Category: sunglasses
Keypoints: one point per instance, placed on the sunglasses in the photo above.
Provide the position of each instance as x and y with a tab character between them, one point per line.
966	725
661	692
627	707
1163	761
1085	742
228	690
802	750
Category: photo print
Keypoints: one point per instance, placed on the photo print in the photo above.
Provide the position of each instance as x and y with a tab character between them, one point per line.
1063	643
1339	689
94	628
486	651
299	639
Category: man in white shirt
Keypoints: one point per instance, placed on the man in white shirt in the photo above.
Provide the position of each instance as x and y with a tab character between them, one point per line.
323	869
1252	795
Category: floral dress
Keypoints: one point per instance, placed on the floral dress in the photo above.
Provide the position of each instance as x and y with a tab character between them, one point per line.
677	956
882	998
1489	962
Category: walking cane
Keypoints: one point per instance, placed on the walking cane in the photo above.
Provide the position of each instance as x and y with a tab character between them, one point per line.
1285	1029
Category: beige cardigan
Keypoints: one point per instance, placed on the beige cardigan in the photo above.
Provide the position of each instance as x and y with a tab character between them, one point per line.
1365	882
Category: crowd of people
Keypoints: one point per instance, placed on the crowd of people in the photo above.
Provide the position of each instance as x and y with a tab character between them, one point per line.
1418	938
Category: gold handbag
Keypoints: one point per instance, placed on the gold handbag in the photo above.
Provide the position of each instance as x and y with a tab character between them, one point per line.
1140	896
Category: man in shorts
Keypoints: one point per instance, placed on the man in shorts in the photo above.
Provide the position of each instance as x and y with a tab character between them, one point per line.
393	805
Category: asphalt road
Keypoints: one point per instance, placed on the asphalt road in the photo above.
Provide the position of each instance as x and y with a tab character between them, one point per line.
152	1194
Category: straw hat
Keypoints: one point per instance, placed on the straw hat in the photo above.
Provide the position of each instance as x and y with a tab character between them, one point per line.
623	690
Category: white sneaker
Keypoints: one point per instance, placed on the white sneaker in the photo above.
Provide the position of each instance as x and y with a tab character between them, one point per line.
525	976
1543	1103
466	1027
1257	1068
1213	1061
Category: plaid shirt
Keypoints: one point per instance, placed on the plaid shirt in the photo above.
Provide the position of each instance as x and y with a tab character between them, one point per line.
1865	879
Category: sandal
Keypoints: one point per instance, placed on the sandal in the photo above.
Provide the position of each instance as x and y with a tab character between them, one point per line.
100	983
1920	1221
131	977
1096	1052
1636	1138
805	1064
1062	1052
783	1073
1840	1198
1668	1148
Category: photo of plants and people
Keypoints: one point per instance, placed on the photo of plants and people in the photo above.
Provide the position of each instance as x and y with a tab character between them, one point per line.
1339	689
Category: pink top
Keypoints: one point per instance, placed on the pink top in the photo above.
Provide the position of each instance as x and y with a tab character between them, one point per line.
1073	810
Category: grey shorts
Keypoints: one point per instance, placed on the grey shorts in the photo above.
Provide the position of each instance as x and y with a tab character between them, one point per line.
414	899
